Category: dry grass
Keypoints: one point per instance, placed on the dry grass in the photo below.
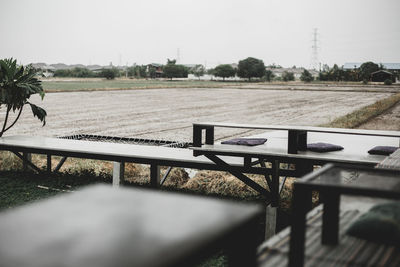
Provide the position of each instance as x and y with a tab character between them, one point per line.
358	117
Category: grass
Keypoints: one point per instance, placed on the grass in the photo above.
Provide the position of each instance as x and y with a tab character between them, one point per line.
363	115
97	84
18	188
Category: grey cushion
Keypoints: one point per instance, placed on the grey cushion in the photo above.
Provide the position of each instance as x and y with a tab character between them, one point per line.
383	150
380	224
323	147
245	141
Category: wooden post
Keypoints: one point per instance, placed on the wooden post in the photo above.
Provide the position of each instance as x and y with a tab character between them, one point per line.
270	221
154	175
48	163
197	135
118	173
210	135
292	141
28	157
330	218
302	141
302	199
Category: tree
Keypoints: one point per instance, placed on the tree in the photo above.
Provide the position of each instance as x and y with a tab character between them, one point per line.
287	76
251	67
224	71
306	76
366	69
198	71
137	71
269	75
172	70
17	84
63	73
109	74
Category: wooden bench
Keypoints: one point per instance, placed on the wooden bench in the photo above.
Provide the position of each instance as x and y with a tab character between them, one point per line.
318	238
154	156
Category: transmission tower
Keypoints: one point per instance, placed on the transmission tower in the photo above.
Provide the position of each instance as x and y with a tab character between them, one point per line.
314	50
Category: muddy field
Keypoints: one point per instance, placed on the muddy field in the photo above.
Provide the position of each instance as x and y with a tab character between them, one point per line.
168	114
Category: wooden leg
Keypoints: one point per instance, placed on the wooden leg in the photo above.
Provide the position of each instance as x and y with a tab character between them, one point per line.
302	141
292	141
48	163
301	202
28	157
275	184
154	175
303	168
197	136
118	173
330	219
270	221
210	136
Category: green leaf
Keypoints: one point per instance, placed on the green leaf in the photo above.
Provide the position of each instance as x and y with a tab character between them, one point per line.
39	113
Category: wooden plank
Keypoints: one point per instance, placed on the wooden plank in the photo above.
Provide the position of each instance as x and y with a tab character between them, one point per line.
118	173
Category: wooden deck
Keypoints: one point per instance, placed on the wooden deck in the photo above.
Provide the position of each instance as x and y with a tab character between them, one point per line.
350	252
391	162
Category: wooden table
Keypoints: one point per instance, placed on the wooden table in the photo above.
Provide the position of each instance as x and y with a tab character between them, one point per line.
103	226
282	147
296	135
329	181
155	156
287	144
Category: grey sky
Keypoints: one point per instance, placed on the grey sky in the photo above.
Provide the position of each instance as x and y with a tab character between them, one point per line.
207	32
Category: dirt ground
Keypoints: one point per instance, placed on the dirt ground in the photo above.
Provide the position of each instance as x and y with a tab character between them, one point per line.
390	120
168	114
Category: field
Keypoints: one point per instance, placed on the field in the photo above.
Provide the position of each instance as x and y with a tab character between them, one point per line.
74	84
168	113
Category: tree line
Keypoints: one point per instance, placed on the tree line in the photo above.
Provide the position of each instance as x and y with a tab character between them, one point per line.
248	69
363	73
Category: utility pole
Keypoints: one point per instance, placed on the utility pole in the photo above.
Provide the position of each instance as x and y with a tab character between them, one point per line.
314	50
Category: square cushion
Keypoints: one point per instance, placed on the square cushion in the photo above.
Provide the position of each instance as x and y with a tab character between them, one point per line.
245	141
323	147
381	224
383	150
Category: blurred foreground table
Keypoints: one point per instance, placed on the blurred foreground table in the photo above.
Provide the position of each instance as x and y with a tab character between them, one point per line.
102	226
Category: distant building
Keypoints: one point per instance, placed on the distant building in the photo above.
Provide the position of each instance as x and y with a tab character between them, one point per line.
44	69
296	71
381	76
155	70
388	66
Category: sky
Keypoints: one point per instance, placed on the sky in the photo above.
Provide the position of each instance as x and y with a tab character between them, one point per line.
208	32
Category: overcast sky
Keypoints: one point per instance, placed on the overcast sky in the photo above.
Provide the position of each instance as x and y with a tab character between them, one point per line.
207	32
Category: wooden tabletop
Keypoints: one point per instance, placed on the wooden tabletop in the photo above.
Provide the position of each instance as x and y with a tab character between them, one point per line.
101	226
355	148
301	128
104	150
